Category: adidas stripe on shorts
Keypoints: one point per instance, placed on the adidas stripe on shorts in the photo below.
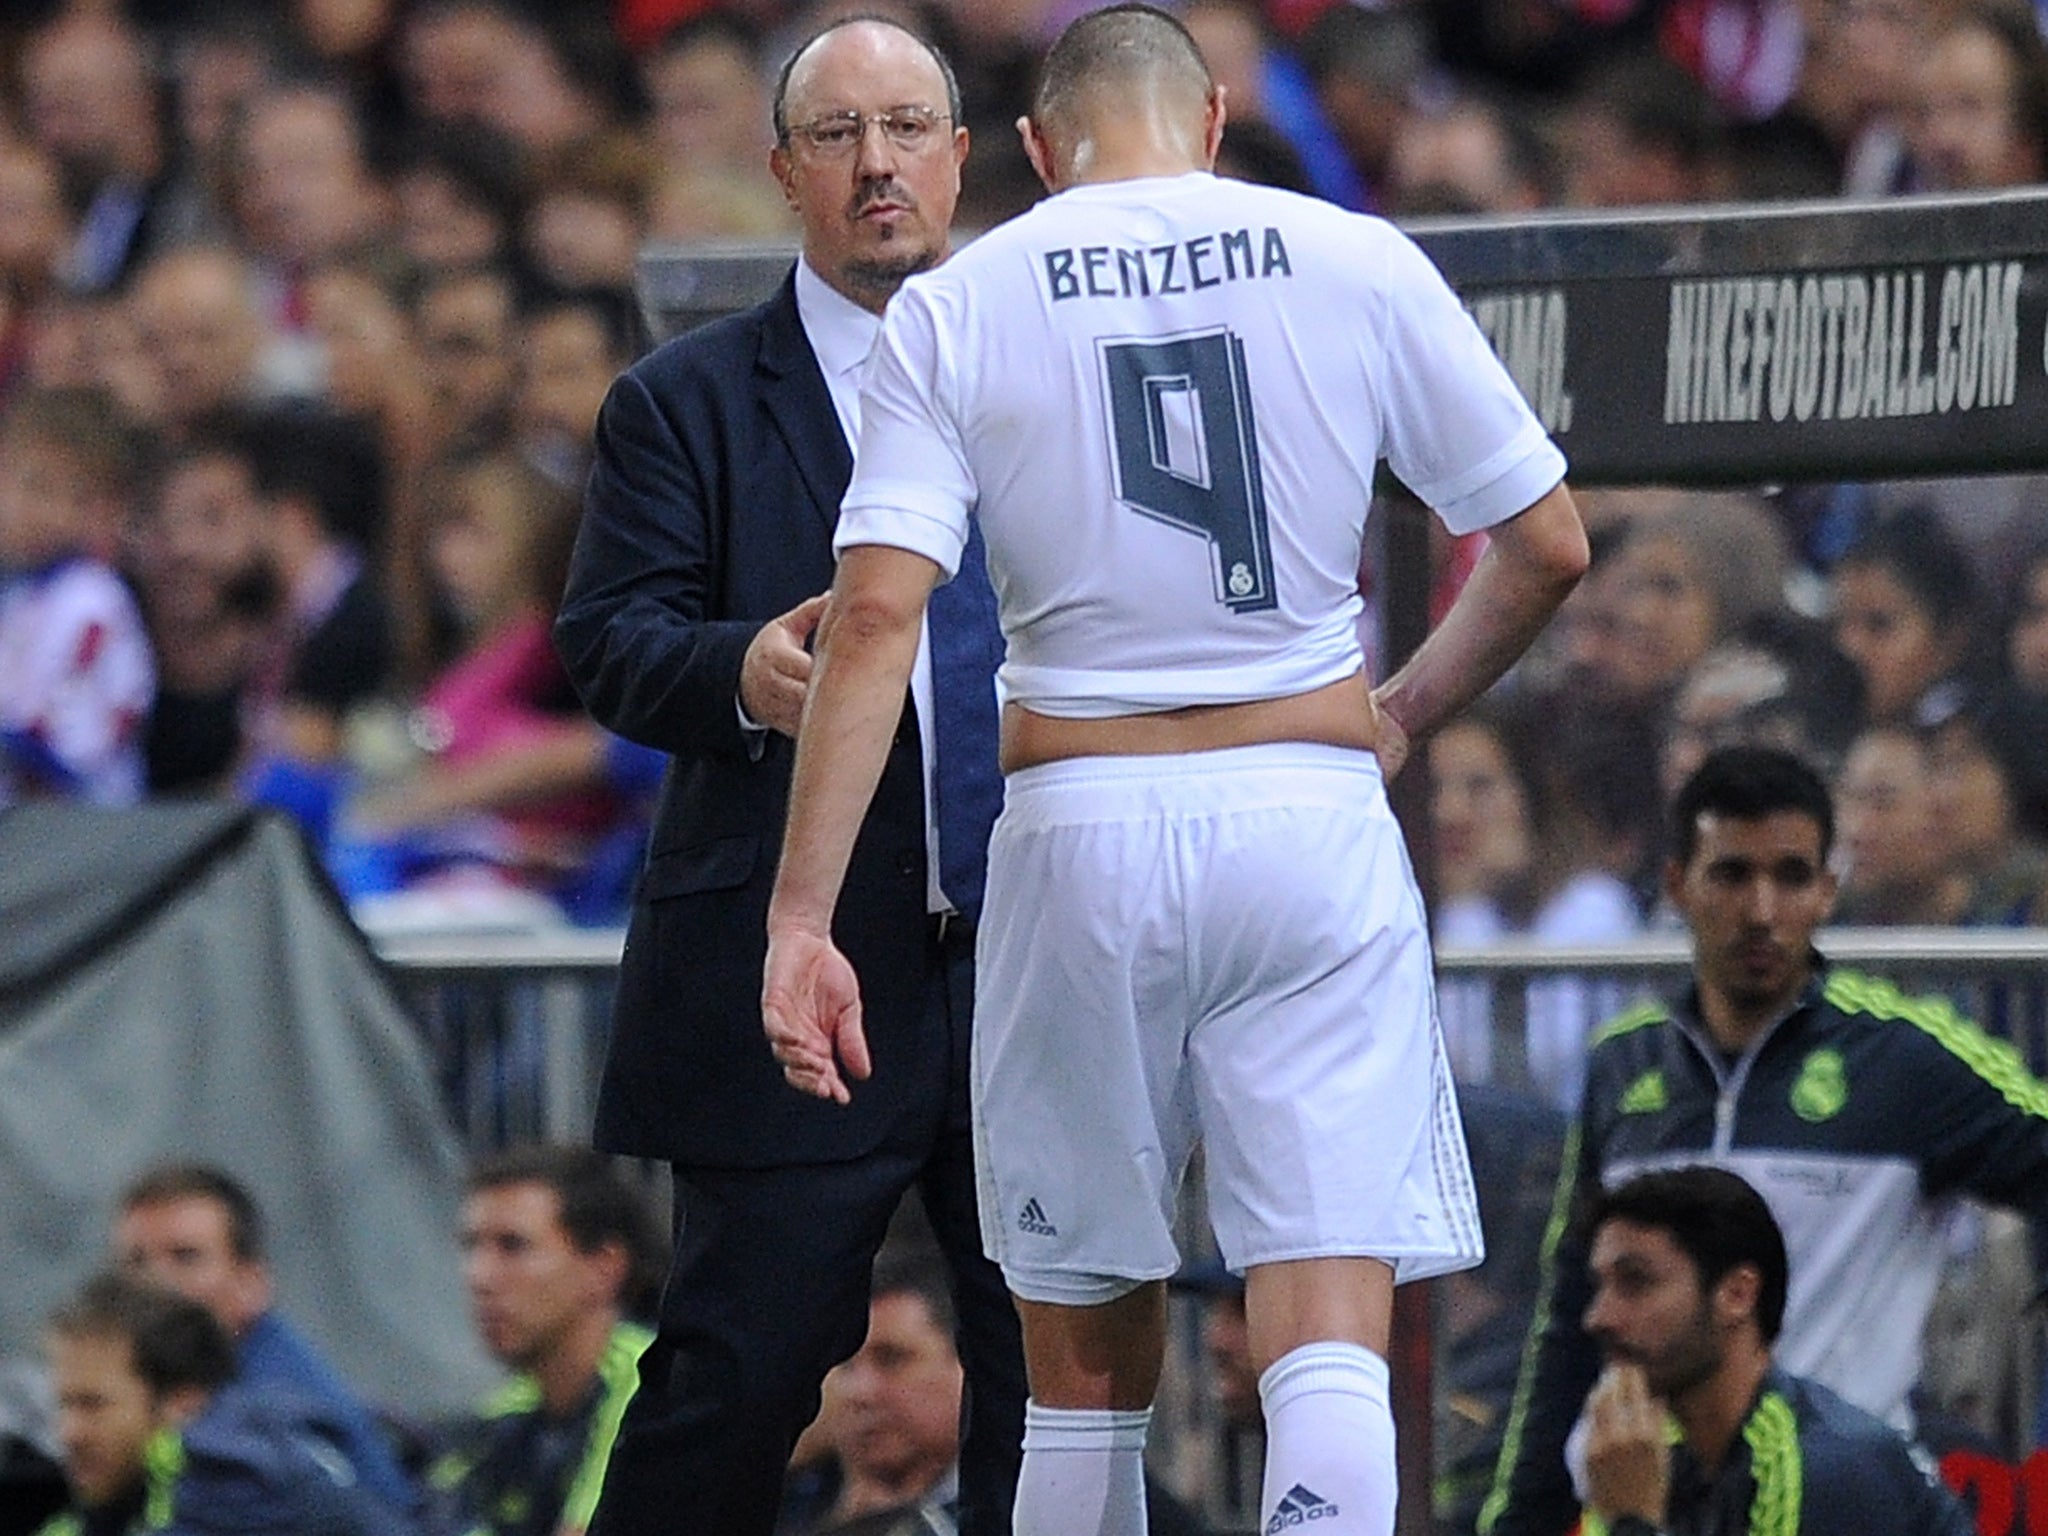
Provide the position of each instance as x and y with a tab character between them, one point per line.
1227	945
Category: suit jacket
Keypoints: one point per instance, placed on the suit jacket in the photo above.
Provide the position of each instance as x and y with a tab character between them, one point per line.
719	470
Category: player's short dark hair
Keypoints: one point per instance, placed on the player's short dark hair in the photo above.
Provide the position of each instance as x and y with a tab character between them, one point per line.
1717	1219
597	1204
779	102
1119	42
176	1343
1747	784
167	1182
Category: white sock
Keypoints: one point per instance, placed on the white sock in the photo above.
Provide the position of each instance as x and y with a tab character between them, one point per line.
1329	1442
1084	1472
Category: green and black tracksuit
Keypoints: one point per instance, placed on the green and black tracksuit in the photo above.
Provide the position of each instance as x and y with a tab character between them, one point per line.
1807	1464
516	1470
1855	1116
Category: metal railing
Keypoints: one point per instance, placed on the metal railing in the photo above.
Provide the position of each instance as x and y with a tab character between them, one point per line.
517	1023
517	1026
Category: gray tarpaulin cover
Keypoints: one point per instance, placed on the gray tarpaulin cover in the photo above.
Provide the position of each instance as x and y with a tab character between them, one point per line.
179	982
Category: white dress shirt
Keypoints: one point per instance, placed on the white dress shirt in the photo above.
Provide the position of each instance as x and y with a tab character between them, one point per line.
842	334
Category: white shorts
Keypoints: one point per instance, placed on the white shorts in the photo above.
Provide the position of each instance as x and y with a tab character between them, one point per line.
1227	945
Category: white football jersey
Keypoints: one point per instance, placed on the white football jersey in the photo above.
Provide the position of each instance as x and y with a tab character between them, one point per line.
1165	399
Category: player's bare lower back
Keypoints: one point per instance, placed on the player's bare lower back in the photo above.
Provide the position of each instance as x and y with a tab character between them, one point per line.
1340	714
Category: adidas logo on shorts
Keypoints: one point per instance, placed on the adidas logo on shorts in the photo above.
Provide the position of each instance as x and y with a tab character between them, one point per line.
1297	1507
1033	1220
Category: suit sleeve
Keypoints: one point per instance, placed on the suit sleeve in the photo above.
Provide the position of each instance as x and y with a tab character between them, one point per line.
1532	1490
633	629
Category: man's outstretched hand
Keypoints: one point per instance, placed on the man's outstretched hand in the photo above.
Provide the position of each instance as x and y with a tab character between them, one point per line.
810	1008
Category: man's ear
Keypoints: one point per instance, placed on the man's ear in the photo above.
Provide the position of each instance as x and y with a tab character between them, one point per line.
1736	1295
1212	132
781	168
1038	151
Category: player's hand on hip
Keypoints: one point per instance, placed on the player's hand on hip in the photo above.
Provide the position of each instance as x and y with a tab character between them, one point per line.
810	1009
776	671
1389	741
1628	1453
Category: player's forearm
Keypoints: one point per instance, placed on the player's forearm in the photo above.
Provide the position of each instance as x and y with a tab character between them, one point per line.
865	654
1530	567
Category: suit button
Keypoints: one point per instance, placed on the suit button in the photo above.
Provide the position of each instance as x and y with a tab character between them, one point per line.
906	864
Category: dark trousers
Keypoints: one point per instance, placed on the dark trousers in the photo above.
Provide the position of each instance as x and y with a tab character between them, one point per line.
769	1290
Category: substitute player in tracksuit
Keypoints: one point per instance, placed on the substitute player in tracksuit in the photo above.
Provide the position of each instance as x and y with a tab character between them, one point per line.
1693	1429
1859	1113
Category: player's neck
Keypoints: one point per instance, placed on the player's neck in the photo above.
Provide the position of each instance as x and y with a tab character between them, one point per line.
1131	149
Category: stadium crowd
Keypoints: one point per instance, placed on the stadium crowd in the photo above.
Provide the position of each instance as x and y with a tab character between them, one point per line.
307	311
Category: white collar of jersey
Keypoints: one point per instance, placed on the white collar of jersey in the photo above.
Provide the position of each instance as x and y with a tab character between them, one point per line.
1123	189
841	333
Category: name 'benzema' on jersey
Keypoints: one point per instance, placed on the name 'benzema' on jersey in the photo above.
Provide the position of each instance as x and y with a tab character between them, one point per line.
1234	362
1138	272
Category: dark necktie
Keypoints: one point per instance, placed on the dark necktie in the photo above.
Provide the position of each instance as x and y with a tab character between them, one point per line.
966	645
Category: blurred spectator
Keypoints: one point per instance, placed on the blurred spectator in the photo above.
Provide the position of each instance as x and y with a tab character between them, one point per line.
1640	130
893	1431
221	58
1894	863
35	232
588	214
687	205
158	1435
210	595
571	347
1905	610
1858	85
560	1253
543	77
1264	82
198	318
76	674
513	789
1679	582
1746	53
1533	835
1778	681
197	1231
1256	151
464	328
89	99
1980	114
2026	634
319	480
896	1425
1368	66
1474	154
707	83
303	192
460	195
1989	765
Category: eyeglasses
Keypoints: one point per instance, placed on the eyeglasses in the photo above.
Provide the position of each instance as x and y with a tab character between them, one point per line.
838	133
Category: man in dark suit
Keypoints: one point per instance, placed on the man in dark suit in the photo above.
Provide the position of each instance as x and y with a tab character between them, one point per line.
698	577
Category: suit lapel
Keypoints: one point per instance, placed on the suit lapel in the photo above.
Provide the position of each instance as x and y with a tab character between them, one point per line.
794	394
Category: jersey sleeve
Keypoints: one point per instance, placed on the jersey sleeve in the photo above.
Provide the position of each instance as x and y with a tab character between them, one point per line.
1457	430
912	488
